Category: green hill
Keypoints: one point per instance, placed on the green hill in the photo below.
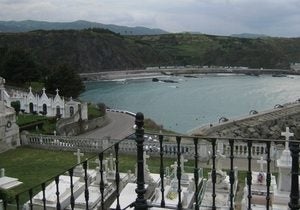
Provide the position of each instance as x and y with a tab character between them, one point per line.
101	50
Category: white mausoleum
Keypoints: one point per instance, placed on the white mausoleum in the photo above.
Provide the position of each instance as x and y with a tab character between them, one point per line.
42	104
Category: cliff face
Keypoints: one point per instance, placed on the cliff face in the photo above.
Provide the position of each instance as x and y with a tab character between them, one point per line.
96	50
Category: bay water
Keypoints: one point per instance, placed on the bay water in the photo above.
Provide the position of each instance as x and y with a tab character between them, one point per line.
194	102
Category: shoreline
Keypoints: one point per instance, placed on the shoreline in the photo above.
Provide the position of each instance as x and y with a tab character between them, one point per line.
165	72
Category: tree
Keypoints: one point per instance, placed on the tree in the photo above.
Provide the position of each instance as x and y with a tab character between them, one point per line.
16	105
18	66
66	80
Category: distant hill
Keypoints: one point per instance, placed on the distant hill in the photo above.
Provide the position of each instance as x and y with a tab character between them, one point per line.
31	25
94	50
249	35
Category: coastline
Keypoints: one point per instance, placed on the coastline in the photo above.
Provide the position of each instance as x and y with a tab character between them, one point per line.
165	72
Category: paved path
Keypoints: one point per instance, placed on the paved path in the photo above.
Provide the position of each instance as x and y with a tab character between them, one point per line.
120	126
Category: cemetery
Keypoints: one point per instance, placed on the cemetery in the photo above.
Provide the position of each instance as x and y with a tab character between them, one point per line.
189	172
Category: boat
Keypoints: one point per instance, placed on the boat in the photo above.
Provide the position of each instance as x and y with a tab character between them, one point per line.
278	75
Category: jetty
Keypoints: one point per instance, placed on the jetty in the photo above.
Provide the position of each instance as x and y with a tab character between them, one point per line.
264	125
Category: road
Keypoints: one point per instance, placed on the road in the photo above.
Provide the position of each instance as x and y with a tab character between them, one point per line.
120	126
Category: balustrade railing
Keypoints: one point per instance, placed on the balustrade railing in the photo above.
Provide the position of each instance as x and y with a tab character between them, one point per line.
109	193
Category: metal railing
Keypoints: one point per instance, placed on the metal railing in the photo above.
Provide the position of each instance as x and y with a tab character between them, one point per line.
142	202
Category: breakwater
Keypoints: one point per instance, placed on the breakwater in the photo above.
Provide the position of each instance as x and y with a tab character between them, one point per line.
264	125
111	75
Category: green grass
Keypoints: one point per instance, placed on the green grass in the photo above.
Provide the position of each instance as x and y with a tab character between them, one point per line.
49	123
24	119
94	112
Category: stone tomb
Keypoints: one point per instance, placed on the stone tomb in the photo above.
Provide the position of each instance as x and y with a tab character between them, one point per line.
171	187
222	187
6	182
65	193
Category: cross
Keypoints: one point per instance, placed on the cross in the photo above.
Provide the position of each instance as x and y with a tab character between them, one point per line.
30	89
78	154
261	163
57	90
145	157
44	89
287	134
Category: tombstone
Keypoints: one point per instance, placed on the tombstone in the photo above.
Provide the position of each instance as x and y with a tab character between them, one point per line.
78	170
111	172
284	164
8	182
98	175
261	176
221	175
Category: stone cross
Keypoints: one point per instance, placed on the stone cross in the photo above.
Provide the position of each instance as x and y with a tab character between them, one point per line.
57	90
261	163
287	134
44	90
78	154
30	89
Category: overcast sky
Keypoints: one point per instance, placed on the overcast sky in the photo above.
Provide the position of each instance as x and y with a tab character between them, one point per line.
223	17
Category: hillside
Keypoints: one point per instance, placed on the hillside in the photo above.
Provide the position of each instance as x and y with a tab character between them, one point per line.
102	50
31	25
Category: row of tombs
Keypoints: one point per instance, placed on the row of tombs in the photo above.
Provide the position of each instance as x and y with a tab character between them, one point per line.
279	194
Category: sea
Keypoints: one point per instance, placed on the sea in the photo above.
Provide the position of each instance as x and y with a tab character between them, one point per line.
192	102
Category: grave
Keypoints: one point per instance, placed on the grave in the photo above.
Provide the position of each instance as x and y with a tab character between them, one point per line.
284	164
259	188
222	187
64	196
6	182
187	186
279	194
78	170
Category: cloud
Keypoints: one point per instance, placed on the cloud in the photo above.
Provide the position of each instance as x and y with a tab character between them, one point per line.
272	17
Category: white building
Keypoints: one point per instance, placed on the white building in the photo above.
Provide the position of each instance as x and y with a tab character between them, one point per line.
49	106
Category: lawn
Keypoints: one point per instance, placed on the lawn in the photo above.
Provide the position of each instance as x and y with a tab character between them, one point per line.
34	166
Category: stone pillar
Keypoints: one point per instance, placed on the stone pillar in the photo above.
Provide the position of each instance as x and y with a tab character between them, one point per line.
2	172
